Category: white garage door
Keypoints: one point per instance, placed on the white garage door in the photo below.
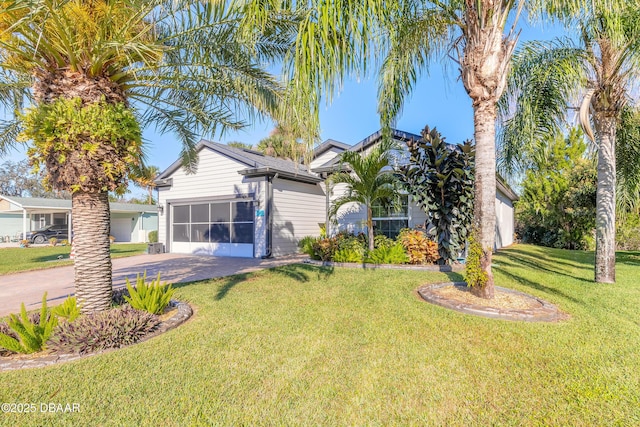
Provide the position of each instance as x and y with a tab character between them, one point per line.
121	229
218	228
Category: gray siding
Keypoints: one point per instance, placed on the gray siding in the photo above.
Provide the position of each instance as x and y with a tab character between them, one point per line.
217	176
325	157
299	209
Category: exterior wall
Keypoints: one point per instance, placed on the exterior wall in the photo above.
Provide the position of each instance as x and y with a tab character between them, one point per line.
217	177
298	211
504	220
325	157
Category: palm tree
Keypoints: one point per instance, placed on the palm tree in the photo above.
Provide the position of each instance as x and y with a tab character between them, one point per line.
600	71
369	179
144	177
338	38
281	143
95	71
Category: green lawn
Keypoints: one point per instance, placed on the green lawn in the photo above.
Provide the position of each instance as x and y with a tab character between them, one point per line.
304	345
13	260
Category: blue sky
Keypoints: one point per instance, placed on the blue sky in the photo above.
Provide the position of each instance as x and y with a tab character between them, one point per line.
439	100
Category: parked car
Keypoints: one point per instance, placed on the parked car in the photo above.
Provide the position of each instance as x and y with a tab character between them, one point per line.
59	231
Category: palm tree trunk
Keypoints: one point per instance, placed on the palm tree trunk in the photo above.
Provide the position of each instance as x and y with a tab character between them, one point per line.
484	213
91	224
605	265
370	227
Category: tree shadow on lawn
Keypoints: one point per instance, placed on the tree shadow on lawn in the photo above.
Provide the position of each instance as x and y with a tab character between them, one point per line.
628	258
540	264
535	285
583	260
297	272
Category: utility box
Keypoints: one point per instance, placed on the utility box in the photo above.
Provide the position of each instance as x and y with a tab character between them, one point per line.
155	248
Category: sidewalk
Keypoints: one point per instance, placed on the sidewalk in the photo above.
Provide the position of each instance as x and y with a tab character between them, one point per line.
29	287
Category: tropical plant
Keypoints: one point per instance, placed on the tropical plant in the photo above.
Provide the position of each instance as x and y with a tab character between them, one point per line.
419	248
94	71
348	255
440	178
144	177
152	297
283	144
475	274
394	254
306	245
368	178
238	144
29	335
93	332
68	310
601	70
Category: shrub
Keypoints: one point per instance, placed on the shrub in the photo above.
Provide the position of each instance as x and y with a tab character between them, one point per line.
388	255
306	246
419	248
152	297
53	241
29	334
324	249
68	310
64	242
153	236
474	275
628	232
348	255
24	243
382	241
113	328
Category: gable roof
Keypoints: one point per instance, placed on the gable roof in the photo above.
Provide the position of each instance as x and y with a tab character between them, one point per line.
256	164
363	145
65	204
327	145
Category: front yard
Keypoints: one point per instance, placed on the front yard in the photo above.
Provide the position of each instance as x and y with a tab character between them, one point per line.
14	260
303	345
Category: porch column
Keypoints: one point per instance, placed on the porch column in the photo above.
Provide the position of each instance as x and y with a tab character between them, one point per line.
24	223
69	227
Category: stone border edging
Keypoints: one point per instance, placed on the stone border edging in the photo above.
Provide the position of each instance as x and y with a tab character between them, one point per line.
364	266
183	313
547	312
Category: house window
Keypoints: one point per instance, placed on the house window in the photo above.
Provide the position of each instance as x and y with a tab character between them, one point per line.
224	222
389	220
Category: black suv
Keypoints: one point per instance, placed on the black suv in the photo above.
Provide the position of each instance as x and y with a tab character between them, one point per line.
59	231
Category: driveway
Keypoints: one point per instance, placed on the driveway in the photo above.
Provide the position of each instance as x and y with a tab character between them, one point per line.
29	287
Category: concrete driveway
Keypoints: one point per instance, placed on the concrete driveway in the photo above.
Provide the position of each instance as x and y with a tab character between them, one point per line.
29	287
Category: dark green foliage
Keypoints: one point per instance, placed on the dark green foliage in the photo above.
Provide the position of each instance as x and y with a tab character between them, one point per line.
113	328
440	178
153	236
152	297
325	249
557	207
474	274
68	310
29	333
383	254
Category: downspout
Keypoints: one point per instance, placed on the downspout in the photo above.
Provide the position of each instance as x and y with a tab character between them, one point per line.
269	215
327	226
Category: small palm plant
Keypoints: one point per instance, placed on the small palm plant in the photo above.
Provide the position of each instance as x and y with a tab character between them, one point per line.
369	179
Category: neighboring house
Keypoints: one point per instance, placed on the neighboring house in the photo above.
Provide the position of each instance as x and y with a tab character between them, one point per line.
130	222
243	203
